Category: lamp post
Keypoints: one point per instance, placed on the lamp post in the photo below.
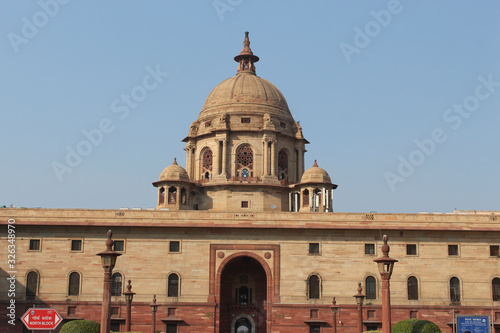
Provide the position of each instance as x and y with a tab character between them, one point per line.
154	307
335	309
108	261
385	267
129	296
360	297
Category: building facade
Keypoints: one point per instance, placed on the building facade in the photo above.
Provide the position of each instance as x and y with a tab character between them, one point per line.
244	239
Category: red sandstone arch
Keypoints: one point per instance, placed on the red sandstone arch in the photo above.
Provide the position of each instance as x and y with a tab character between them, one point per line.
216	289
265	266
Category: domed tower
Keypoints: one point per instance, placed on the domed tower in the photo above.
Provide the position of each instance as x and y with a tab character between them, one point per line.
245	151
314	193
174	188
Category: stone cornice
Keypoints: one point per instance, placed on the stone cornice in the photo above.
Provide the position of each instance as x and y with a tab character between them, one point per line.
252	220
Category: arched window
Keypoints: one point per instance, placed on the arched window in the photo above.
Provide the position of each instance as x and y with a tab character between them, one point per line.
282	165
316	199
173	285
183	196
162	196
495	284
454	289
31	285
245	173
305	198
314	288
412	288
116	284
243	295
172	195
245	157
74	284
206	163
371	287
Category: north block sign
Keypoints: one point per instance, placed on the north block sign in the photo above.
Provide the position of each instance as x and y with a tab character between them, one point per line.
41	319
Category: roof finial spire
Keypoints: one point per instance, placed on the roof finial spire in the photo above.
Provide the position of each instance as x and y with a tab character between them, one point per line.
246	58
315	163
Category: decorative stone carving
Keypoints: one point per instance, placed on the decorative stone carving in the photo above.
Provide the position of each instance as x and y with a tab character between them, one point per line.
268	122
193	130
223	118
298	131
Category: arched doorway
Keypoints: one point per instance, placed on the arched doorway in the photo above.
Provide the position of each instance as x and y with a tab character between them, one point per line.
243	324
243	293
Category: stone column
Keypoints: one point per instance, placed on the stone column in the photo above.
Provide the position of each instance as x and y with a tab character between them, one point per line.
189	160
233	163
224	157
273	158
300	162
217	161
265	170
325	207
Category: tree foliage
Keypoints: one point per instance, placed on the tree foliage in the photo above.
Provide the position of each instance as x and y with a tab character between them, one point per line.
81	326
415	326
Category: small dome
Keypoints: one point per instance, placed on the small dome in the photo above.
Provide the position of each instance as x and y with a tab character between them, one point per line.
174	172
315	174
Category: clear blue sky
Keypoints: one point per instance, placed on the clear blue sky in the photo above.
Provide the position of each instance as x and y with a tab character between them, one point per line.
399	100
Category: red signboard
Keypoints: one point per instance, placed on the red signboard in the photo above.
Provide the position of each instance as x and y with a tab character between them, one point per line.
41	319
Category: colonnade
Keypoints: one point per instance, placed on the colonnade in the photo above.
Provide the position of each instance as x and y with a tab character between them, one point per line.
220	162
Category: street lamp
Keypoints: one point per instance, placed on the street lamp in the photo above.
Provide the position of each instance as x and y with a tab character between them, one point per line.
360	297
129	296
385	267
154	307
108	261
335	309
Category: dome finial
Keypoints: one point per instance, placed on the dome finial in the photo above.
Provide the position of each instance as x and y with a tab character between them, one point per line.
246	58
175	161
315	164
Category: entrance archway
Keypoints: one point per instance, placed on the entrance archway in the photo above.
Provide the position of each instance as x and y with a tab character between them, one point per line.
243	294
243	324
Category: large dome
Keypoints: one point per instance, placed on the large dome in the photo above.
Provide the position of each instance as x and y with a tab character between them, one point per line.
245	92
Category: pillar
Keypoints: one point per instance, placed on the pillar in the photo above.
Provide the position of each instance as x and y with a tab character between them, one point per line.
224	157
300	162
216	163
265	170
273	158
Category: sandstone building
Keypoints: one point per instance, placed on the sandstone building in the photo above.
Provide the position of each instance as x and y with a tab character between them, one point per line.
244	239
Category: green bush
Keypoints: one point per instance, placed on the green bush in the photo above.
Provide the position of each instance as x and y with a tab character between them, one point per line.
430	327
415	326
81	326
